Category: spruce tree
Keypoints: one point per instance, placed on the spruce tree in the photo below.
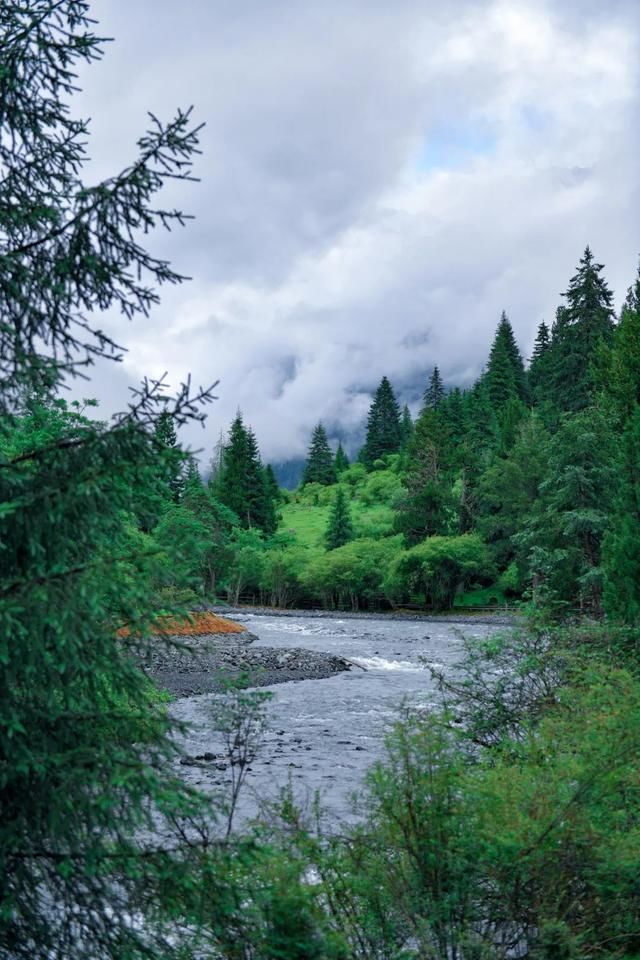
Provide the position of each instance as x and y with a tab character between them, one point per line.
340	528
452	414
384	434
505	375
171	456
341	461
193	484
621	548
434	394
426	507
241	484
88	764
583	325
540	383
319	467
406	426
564	534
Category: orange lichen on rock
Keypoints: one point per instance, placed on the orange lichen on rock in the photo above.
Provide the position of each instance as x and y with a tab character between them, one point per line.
197	625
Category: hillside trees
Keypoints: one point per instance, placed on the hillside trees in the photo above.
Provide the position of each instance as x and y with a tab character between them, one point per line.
437	568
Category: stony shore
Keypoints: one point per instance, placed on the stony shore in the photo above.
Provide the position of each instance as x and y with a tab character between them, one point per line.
190	665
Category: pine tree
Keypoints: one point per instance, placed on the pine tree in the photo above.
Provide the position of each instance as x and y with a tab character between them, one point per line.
319	467
406	426
172	459
241	484
583	325
563	537
621	548
481	420
340	528
621	373
193	484
427	506
452	413
341	461
505	376
434	394
384	434
540	383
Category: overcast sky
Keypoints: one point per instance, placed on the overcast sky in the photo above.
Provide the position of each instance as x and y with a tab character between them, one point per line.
380	178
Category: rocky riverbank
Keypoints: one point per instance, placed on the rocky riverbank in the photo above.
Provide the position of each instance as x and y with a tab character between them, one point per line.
190	665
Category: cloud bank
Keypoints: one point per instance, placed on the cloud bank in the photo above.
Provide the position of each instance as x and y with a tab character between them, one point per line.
379	181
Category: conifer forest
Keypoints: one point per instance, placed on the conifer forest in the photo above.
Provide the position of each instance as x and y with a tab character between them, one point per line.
503	821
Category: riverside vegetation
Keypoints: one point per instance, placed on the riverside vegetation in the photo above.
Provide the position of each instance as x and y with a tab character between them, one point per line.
504	823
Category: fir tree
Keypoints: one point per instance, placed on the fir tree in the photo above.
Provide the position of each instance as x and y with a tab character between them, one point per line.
193	484
621	548
340	528
505	376
452	414
172	458
88	765
426	507
341	461
563	537
434	394
241	484
384	434
319	467
583	325
540	383
482	423
406	426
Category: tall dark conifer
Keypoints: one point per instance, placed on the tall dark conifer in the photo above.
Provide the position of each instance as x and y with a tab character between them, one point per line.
341	461
434	394
340	528
319	467
384	434
505	376
172	465
241	483
406	426
540	383
582	326
452	413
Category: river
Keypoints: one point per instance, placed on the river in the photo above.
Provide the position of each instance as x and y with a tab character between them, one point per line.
324	734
